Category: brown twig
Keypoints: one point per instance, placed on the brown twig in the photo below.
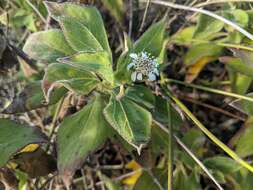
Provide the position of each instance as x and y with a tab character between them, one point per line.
212	108
144	16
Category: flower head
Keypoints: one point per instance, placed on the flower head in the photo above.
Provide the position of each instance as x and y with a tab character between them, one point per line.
143	65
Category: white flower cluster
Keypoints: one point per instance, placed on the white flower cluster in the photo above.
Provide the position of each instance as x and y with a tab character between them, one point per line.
143	65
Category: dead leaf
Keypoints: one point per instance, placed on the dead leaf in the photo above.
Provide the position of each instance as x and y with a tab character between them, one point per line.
194	69
35	164
131	180
2	45
29	148
32	97
8	60
26	68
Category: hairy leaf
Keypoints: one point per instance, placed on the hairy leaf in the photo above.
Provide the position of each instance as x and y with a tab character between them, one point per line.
141	95
47	46
130	120
98	62
78	35
80	134
72	78
87	15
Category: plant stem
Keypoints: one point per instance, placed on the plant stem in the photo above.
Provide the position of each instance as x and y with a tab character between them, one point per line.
36	11
211	90
221	1
206	12
190	153
170	147
54	122
224	147
121	92
227	45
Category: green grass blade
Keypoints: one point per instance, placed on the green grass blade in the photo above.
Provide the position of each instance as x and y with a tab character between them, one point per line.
224	147
190	153
170	151
207	89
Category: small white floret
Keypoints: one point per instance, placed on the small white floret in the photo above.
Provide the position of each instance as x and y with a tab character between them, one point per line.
134	55
151	77
139	76
130	66
133	76
144	66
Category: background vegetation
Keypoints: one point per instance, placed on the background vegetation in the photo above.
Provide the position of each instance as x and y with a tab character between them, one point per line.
190	129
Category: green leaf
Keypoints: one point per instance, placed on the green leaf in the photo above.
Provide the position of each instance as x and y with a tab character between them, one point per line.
141	95
79	135
244	105
223	164
110	185
147	182
115	7
47	46
223	146
241	17
247	182
239	66
244	55
180	180
219	176
98	62
207	26
160	113
78	35
201	50
152	41
72	78
234	37
130	120
194	140
186	181
87	15
237	16
24	20
32	97
184	36
14	136
244	146
242	83
160	140
243	65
